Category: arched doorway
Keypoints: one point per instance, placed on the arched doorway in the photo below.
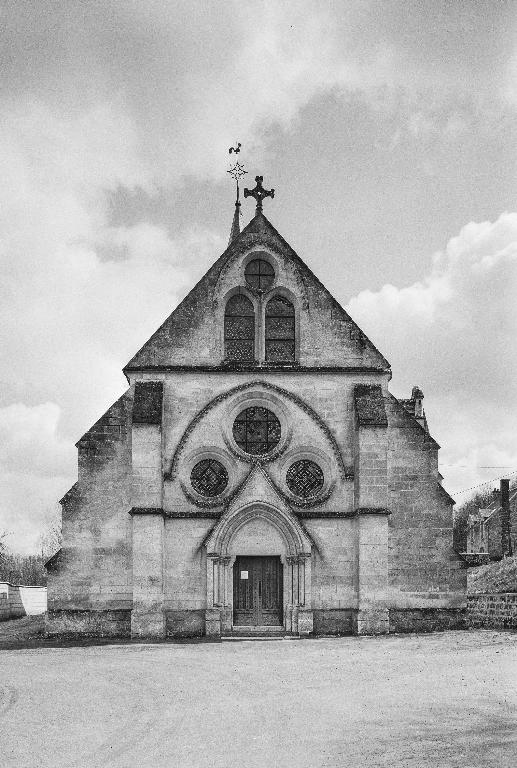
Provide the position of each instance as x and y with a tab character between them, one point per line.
258	571
258	595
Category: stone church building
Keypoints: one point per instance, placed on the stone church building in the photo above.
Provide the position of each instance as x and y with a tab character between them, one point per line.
257	475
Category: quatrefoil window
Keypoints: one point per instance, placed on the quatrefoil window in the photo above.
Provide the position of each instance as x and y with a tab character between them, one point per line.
305	478
209	477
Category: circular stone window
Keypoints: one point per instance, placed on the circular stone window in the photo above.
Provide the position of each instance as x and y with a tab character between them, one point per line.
256	431
304	478
209	477
259	274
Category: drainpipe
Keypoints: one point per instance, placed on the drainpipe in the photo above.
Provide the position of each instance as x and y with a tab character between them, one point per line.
506	542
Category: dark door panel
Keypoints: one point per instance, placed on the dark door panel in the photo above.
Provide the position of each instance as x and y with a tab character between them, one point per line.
257	591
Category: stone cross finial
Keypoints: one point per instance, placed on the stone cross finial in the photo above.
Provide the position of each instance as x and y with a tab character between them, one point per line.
259	193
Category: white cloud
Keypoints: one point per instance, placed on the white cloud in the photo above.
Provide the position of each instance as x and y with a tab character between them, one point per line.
454	335
142	96
29	440
36	466
79	296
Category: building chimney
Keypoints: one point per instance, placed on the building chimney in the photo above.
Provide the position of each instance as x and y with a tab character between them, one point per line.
506	541
417	396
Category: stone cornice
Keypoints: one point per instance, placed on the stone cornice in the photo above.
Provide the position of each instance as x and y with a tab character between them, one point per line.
315	514
199	514
371	511
255	369
147	511
302	514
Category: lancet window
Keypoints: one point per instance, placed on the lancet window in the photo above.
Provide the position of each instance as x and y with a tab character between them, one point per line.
239	329
280	330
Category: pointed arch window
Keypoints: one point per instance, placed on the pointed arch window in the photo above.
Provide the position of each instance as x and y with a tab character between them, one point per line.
239	329
280	330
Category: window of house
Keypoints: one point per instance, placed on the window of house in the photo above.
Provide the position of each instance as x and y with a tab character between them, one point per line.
280	330
259	274
239	329
256	430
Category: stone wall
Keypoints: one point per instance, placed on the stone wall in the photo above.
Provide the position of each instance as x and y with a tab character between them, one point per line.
426	577
77	623
427	619
92	571
17	601
493	611
397	469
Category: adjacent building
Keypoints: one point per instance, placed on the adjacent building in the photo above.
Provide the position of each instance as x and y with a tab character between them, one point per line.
492	531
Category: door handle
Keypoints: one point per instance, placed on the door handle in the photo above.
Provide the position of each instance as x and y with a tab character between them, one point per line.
260	589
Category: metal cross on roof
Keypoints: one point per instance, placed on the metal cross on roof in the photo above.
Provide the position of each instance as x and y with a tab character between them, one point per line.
237	171
259	193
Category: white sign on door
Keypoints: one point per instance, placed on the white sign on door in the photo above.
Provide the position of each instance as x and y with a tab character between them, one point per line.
244	574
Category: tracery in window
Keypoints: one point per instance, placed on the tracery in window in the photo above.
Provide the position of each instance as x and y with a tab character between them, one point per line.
209	477
256	430
259	274
304	478
280	330
239	329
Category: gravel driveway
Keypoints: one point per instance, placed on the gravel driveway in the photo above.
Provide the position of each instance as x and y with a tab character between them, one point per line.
441	700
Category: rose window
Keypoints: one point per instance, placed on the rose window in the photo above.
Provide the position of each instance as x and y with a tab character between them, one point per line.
256	431
304	478
209	477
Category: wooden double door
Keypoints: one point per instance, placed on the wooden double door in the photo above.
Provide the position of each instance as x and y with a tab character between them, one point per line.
257	591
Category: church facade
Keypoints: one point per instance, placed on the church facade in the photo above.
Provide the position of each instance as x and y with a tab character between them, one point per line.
257	475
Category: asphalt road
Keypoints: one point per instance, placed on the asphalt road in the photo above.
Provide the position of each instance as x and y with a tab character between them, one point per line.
442	700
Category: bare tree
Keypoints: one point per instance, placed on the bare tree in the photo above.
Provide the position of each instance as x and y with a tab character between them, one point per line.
3	543
51	538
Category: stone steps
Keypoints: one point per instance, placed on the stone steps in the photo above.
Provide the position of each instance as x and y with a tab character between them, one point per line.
259	633
235	637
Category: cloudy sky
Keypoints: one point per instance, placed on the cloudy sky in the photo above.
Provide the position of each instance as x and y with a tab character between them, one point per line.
389	132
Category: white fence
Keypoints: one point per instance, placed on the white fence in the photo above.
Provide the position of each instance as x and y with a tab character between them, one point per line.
17	600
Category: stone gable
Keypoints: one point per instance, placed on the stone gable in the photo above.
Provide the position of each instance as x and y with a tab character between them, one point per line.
193	334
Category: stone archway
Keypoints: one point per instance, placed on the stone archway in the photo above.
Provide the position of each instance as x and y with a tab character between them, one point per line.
259	529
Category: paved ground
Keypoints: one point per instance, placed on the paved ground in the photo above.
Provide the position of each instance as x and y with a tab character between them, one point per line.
442	700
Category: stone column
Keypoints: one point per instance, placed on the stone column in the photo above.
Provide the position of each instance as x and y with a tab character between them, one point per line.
227	601
147	616
213	611
287	596
294	606
305	614
372	550
371	500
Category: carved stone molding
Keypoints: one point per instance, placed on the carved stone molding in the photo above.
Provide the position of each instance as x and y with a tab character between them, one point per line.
267	386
